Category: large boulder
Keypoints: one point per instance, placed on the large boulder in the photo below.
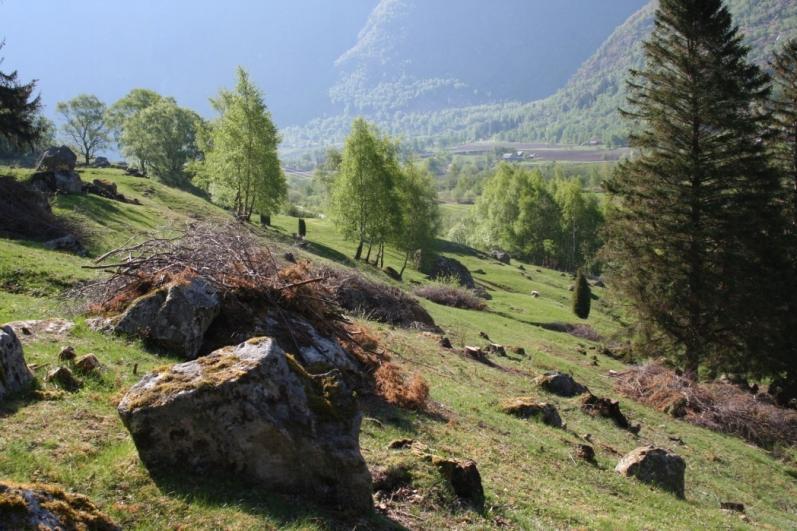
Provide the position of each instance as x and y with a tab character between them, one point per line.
445	268
656	466
174	318
101	162
14	373
560	384
44	507
57	159
48	182
253	413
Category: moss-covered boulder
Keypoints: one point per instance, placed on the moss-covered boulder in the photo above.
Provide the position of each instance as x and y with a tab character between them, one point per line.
253	413
44	507
526	407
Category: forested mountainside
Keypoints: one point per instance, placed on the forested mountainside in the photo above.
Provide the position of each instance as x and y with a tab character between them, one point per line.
414	55
583	110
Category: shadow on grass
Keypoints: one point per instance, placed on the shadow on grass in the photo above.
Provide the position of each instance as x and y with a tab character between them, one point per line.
329	253
282	509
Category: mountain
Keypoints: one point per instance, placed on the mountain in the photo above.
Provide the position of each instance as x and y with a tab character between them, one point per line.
420	55
585	108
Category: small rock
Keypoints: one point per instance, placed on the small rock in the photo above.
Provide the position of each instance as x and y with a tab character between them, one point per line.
585	452
392	273
535	294
571	288
476	353
464	478
289	257
525	407
732	506
399	444
520	351
655	466
560	384
501	256
68	243
67	353
63	378
445	342
483	335
607	408
495	348
87	364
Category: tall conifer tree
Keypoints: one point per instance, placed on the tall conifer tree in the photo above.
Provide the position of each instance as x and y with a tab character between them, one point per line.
690	240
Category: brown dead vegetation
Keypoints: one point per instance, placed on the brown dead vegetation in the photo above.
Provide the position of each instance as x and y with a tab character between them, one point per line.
254	288
453	296
721	407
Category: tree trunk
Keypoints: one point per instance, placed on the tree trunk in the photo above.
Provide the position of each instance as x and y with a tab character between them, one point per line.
382	256
404	265
368	255
358	254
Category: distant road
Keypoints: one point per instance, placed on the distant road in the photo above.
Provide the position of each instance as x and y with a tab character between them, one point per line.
546	152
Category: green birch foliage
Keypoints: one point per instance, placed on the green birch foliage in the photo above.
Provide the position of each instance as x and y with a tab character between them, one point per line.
364	206
420	213
84	124
694	223
241	168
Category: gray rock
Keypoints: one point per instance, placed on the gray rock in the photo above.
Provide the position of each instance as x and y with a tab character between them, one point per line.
174	318
68	243
57	159
501	256
101	162
560	384
15	376
253	413
47	507
68	182
656	466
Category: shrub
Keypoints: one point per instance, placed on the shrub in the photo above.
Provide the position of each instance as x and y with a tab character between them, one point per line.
721	407
398	390
302	228
449	295
582	297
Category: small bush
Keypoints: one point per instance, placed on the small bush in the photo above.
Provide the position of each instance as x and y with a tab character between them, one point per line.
721	407
582	297
449	295
302	228
398	390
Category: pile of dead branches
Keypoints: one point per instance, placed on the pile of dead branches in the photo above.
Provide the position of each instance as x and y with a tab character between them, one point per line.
718	406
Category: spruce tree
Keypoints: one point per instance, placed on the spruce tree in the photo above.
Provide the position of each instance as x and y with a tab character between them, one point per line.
18	109
582	297
694	226
784	107
302	228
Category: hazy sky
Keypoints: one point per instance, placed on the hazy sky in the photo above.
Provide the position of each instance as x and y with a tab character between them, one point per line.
183	48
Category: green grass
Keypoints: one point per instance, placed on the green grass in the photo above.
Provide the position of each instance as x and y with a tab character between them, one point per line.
530	478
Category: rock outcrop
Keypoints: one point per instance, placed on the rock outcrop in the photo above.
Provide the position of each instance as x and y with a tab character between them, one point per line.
464	478
174	318
655	466
560	384
252	412
501	256
444	268
15	376
44	508
525	407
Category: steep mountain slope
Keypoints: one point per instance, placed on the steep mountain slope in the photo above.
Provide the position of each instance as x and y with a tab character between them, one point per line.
414	55
585	108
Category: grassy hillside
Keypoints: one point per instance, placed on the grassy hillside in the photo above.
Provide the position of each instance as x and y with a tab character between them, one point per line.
530	476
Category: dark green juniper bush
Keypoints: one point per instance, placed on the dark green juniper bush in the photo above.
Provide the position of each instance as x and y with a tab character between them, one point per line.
582	297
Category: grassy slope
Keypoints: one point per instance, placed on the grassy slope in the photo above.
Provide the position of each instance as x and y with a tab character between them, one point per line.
530	478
